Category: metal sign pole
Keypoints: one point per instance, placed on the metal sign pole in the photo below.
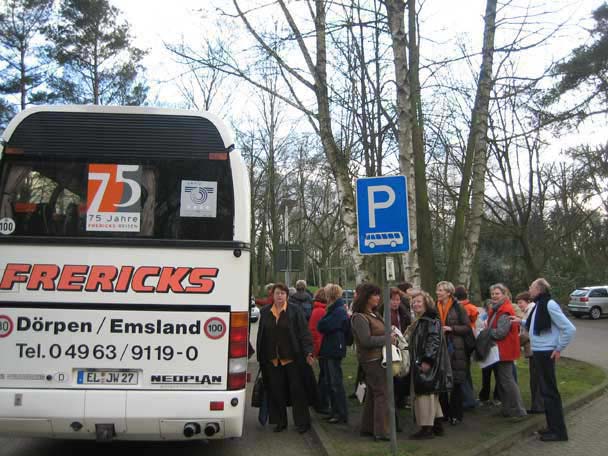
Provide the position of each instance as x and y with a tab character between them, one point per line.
287	275
286	235
389	357
383	228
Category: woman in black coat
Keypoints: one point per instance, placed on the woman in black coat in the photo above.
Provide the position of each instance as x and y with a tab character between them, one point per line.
430	366
284	351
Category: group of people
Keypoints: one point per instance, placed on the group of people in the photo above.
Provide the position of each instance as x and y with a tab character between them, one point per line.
440	337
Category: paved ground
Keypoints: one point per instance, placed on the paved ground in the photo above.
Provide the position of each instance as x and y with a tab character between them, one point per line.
256	441
587	427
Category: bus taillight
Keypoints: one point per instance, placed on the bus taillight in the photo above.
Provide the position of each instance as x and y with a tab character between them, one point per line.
238	342
237	352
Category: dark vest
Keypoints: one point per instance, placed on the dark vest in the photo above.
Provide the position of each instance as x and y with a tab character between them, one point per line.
276	340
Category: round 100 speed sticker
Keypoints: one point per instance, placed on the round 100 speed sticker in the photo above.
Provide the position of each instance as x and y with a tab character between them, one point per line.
6	326
215	328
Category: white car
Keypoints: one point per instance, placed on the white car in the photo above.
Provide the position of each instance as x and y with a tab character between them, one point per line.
592	301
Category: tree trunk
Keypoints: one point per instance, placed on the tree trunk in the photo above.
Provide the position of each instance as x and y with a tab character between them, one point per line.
338	167
532	269
476	217
22	83
395	12
476	145
423	211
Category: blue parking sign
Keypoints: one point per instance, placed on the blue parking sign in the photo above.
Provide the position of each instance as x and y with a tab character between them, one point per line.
382	219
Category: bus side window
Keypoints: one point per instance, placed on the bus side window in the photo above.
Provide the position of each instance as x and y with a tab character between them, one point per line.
72	218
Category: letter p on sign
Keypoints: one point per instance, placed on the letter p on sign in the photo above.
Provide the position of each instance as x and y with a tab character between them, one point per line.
372	204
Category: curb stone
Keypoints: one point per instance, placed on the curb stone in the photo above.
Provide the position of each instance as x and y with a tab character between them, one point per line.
321	436
525	429
494	446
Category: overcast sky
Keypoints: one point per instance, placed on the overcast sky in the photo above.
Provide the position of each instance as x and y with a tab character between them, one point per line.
442	23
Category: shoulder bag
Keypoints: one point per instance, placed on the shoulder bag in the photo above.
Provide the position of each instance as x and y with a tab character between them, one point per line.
257	395
484	342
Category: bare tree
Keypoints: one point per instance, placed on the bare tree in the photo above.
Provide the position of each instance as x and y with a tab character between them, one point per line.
475	156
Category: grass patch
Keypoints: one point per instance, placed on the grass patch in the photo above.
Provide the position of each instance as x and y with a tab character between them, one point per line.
574	378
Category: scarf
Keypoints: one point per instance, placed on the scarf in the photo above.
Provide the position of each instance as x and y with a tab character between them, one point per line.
444	309
542	321
496	306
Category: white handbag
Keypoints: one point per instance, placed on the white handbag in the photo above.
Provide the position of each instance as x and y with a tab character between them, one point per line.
396	355
400	354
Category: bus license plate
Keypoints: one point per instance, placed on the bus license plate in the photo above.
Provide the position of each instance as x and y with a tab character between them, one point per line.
107	377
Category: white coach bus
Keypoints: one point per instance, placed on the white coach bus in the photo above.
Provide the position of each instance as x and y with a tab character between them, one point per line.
124	275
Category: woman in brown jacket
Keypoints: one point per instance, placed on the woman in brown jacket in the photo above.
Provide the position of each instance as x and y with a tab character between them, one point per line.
369	334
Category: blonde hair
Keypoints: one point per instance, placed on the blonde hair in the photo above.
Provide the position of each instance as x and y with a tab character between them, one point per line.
332	292
429	303
447	286
320	295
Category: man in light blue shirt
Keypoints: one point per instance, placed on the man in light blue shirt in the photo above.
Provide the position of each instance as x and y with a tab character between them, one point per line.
550	333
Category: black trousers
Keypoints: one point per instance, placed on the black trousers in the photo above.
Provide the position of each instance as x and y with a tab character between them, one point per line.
486	384
451	403
536	397
554	413
286	387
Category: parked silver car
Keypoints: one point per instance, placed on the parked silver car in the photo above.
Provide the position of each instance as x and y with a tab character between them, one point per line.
254	312
592	301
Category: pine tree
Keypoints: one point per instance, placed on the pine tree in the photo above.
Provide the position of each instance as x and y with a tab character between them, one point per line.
22	23
586	69
94	48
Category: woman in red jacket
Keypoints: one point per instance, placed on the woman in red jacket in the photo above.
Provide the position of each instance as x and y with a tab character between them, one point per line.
318	310
506	335
319	306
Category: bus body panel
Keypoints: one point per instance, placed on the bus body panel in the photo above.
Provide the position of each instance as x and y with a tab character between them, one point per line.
144	415
137	337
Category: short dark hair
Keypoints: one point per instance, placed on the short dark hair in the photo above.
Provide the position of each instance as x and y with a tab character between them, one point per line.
460	293
523	296
404	286
365	291
280	286
395	291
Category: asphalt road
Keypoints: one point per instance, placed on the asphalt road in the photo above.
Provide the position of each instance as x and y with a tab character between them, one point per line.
590	343
587	425
257	441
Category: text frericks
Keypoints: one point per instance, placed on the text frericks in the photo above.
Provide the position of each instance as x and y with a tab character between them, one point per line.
109	279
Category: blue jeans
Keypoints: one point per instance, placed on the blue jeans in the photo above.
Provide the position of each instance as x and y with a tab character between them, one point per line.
324	405
332	368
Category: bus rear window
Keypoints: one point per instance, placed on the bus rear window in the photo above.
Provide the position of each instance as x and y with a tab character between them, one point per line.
158	199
